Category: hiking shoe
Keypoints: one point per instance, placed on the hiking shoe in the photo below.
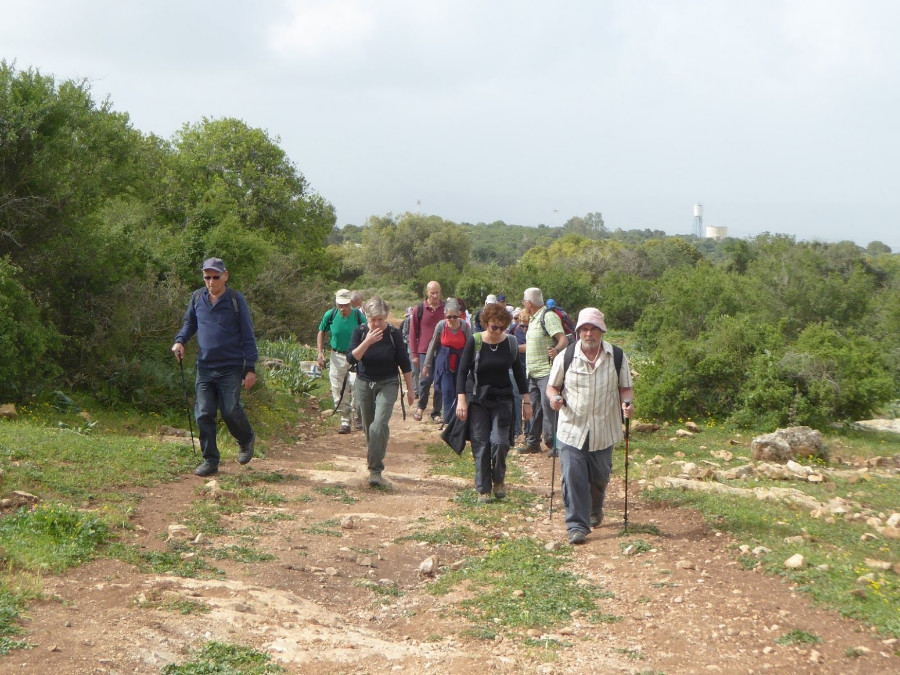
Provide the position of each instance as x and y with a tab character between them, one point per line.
577	537
206	469
345	428
532	449
484	498
376	480
246	453
357	424
499	490
417	414
596	519
553	453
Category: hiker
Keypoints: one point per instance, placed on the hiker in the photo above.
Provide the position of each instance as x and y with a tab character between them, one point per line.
477	326
340	321
588	393
356	301
485	398
521	317
443	354
544	340
421	330
377	350
226	360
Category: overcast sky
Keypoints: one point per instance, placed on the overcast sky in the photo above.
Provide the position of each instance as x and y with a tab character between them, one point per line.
777	116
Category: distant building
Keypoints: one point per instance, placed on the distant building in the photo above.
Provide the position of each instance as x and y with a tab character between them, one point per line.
717	233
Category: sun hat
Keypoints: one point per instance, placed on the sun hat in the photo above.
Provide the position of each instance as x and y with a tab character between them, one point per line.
342	297
490	300
592	316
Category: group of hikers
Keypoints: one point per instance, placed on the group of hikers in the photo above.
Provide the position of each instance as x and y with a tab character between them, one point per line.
501	373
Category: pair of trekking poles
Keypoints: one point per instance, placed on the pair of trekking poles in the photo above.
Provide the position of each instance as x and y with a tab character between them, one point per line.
553	470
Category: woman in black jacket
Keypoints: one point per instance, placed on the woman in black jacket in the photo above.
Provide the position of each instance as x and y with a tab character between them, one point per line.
485	398
377	350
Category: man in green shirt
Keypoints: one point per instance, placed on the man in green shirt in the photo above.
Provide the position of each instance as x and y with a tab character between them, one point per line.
340	322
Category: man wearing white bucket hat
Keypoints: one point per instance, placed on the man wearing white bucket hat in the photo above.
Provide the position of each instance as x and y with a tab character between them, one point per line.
589	385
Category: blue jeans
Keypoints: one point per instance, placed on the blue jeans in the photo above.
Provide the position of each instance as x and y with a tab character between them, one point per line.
425	384
376	403
220	389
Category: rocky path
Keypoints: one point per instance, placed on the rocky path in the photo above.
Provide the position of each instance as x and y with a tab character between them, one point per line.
300	573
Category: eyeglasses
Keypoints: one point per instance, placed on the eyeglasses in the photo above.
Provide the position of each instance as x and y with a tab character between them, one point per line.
454	317
494	326
212	276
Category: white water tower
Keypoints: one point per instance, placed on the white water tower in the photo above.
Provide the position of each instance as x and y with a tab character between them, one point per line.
698	219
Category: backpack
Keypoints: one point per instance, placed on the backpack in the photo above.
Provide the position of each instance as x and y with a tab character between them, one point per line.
404	328
566	320
334	311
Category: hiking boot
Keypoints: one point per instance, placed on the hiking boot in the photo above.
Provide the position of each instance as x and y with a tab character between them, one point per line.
207	469
376	479
345	428
499	490
246	453
484	498
577	537
596	519
357	424
553	453
532	449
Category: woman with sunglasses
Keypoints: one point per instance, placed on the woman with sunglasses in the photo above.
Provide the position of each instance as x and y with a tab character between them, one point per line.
444	352
485	398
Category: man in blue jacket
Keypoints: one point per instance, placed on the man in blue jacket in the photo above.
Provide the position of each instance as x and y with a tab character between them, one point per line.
226	360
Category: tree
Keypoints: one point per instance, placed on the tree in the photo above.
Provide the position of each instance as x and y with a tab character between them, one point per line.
591	226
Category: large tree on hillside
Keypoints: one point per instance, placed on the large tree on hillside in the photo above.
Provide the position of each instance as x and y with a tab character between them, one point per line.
229	188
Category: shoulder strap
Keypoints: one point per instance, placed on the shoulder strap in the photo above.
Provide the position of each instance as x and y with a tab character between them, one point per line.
543	321
331	314
195	297
360	319
513	349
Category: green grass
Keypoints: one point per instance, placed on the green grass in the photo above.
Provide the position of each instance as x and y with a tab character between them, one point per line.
227	659
166	562
51	538
329	528
154	599
243	554
798	637
105	471
338	494
838	545
549	594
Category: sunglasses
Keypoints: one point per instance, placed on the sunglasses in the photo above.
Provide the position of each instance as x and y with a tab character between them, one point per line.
453	317
212	276
494	326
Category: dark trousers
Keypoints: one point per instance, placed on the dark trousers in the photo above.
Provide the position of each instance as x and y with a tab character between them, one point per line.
489	435
220	389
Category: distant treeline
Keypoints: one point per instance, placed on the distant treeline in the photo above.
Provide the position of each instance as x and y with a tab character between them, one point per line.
102	229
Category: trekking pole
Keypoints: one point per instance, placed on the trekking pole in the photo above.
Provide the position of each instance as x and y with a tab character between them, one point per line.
627	434
552	475
187	405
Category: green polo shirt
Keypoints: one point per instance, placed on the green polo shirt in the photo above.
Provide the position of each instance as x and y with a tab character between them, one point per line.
340	328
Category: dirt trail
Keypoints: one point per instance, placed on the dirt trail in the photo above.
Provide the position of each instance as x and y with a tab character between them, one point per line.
685	607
